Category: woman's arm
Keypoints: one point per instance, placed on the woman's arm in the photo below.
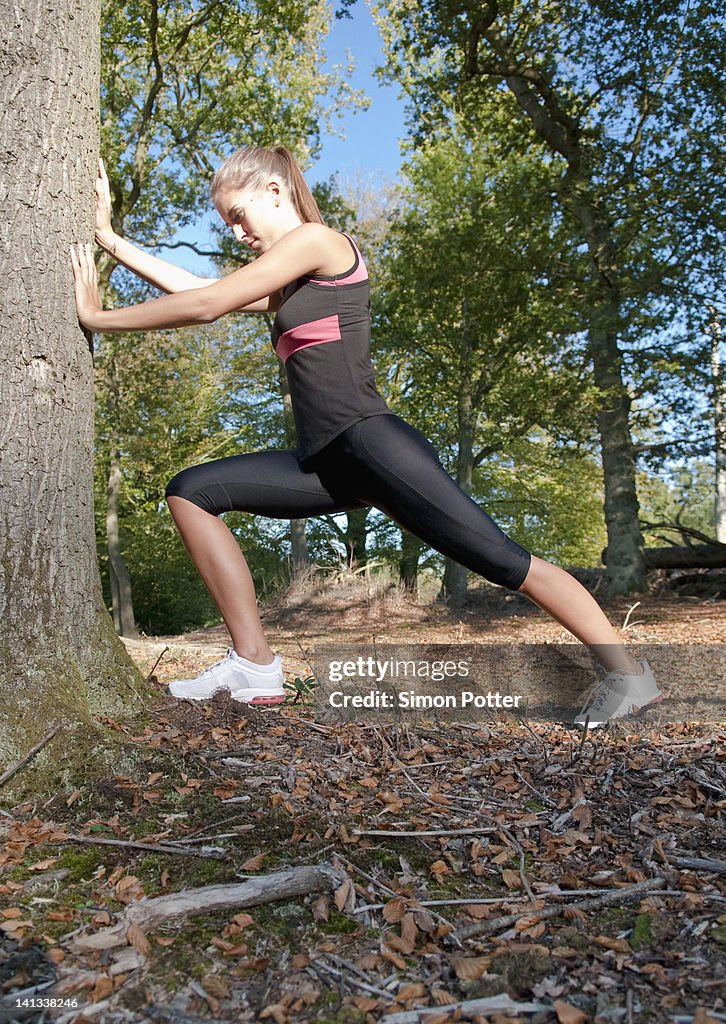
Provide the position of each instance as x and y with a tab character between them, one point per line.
161	274
299	252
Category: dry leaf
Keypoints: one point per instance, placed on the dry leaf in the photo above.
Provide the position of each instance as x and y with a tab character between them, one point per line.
254	863
102	988
215	986
321	909
394	910
568	1014
135	937
342	893
619	945
470	968
512	879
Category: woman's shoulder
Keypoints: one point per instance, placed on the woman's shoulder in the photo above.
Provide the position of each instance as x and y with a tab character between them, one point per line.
332	248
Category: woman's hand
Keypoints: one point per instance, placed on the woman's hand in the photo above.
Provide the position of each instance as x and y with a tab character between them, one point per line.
85	275
104	230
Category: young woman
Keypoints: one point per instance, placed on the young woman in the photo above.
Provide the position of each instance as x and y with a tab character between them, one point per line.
353	450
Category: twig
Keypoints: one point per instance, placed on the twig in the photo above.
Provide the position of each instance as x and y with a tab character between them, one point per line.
630	612
14	769
470	1007
310	725
613	896
148	678
429	832
150	847
384	888
321	962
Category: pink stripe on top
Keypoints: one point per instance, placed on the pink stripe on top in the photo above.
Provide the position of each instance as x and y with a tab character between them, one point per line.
317	332
358	273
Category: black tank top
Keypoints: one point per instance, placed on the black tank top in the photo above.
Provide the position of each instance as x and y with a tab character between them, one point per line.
322	335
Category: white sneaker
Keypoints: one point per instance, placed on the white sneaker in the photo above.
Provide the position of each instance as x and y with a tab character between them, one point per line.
246	681
617	695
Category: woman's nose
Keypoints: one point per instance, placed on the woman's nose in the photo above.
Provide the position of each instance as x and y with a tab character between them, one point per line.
238	232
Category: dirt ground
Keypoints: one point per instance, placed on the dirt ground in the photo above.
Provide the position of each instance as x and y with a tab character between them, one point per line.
500	869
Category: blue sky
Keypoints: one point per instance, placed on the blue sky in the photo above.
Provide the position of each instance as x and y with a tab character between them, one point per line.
372	136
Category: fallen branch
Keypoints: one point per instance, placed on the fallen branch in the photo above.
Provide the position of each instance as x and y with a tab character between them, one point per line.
181	851
470	1007
612	896
150	913
14	769
430	832
699	863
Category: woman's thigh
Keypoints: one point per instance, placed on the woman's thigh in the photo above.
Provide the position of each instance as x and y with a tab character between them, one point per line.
399	472
271	483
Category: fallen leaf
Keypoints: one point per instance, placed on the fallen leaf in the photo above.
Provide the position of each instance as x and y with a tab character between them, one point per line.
568	1014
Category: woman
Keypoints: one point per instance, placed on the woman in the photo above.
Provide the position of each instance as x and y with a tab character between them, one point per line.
353	450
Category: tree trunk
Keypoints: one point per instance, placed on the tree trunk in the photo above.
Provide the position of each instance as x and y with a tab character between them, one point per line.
298	540
408	566
562	134
356	537
626	559
453	588
696	556
60	658
123	606
719	422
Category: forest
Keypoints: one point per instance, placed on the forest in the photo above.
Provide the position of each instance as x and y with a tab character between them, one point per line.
547	286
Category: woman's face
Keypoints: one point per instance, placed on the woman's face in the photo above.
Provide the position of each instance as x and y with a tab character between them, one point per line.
254	216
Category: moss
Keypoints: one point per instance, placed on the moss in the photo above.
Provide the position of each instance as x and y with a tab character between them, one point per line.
642	934
81	864
339	924
345	1015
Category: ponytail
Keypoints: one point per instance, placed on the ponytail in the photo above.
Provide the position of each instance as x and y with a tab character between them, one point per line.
251	167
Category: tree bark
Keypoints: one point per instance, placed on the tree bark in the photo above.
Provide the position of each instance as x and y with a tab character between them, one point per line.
718	382
356	537
298	540
123	605
408	566
454	585
60	658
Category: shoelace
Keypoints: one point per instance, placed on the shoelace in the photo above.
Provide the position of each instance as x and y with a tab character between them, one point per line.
596	696
208	671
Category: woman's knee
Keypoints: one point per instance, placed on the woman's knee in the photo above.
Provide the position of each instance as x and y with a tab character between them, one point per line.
189	485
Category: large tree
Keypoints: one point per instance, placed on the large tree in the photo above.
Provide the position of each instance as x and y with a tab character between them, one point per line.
182	85
624	99
60	658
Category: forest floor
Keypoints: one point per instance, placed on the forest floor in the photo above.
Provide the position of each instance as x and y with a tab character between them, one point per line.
496	867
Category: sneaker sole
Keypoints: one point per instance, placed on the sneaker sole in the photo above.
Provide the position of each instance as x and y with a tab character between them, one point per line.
243	696
620	718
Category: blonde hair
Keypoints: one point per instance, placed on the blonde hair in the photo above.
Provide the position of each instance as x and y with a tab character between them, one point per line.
253	166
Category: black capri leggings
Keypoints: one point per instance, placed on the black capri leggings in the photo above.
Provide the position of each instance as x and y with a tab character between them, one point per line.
381	462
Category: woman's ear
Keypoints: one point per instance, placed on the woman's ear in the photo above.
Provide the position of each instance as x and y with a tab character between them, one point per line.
275	189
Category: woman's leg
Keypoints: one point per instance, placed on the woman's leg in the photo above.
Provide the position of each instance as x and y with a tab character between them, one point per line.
221	564
264	483
400	473
567	601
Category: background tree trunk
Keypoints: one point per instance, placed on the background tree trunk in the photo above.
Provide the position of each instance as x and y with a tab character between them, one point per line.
298	540
719	421
408	566
356	537
123	606
60	658
453	588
